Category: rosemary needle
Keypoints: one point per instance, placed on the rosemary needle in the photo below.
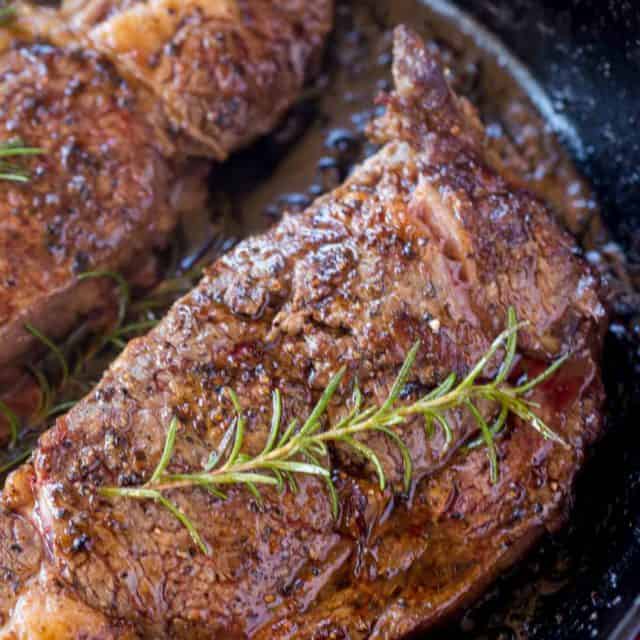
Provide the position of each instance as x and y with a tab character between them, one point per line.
60	394
7	13
53	348
13	149
298	450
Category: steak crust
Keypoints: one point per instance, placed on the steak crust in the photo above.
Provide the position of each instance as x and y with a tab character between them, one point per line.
98	198
424	241
112	117
220	72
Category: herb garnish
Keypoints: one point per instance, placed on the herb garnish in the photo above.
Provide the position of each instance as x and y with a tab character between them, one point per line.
14	173
13	149
299	449
89	349
7	13
69	368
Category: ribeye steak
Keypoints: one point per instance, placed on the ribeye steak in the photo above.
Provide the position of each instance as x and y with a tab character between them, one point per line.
426	240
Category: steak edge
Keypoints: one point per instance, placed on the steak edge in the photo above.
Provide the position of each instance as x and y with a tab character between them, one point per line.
424	241
110	185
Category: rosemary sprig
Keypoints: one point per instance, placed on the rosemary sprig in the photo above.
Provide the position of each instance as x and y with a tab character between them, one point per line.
7	13
12	149
302	449
53	348
13	421
60	375
70	369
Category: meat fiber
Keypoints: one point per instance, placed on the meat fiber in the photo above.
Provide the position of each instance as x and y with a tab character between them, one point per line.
424	241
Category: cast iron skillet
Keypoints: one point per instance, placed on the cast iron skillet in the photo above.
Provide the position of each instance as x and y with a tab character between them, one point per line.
584	582
586	55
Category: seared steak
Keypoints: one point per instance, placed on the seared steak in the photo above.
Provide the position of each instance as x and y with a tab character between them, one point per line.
103	194
424	241
99	198
221	72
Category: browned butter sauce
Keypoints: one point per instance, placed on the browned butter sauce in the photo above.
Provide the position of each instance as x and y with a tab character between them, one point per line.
324	137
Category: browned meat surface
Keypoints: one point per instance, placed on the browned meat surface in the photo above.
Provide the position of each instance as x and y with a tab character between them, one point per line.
98	198
104	194
222	71
425	240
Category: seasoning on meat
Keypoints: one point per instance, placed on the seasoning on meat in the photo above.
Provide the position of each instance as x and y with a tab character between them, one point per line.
424	230
110	184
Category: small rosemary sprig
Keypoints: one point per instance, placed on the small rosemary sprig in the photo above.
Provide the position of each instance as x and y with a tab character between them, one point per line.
50	404
302	448
7	13
71	368
13	149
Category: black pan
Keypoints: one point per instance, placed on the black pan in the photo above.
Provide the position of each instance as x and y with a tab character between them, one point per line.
586	56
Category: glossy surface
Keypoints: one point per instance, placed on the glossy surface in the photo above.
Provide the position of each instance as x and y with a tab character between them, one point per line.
579	583
108	189
98	197
424	231
220	72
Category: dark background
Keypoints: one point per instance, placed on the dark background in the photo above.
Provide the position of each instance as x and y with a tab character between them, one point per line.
586	54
